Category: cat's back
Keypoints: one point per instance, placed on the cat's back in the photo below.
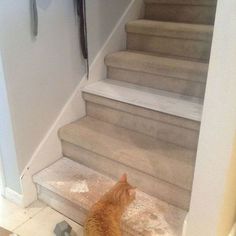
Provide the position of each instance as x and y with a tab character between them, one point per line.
102	221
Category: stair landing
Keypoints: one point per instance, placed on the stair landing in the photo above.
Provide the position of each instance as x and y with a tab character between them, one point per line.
72	188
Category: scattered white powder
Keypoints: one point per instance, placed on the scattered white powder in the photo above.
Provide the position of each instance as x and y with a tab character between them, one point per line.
135	208
146	223
152	226
59	183
80	187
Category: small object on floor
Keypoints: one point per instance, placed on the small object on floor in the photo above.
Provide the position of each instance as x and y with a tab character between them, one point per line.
4	232
62	229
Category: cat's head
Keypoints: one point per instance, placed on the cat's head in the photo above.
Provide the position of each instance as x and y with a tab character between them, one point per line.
122	193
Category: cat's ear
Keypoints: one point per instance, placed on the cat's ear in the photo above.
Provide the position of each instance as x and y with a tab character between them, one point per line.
123	178
132	192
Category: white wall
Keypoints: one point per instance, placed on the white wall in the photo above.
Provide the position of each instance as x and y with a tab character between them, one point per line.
228	212
42	74
102	17
49	150
218	128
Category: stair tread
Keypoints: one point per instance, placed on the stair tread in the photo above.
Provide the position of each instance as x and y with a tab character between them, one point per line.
158	65
154	99
171	29
184	2
83	187
163	160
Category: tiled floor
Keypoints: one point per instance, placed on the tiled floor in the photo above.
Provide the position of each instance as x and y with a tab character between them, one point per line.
37	220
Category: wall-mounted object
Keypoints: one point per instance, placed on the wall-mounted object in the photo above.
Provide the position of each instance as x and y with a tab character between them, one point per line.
34	17
81	12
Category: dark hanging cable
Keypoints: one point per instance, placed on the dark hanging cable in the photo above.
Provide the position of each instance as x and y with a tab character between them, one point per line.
34	17
81	11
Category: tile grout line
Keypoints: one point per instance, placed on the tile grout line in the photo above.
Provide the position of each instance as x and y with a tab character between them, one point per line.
30	218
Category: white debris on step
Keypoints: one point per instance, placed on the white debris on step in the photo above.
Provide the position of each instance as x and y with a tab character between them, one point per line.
146	221
80	187
60	183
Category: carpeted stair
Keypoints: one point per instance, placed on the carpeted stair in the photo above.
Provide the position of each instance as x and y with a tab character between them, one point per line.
143	119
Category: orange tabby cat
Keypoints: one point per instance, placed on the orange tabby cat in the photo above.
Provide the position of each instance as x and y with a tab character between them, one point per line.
105	215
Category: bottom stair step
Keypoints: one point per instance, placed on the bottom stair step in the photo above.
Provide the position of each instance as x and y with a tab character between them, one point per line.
72	188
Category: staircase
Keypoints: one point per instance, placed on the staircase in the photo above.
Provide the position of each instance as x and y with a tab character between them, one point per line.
143	119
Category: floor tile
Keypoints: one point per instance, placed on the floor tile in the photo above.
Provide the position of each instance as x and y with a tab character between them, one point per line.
44	222
12	216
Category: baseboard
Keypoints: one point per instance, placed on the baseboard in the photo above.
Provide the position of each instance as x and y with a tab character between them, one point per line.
13	196
2	178
49	150
233	231
185	226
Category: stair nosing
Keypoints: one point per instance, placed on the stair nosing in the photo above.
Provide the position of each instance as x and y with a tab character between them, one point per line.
128	89
112	60
193	3
113	66
171	29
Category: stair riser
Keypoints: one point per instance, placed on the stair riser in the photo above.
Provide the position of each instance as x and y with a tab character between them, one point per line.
161	126
65	207
181	13
178	135
143	112
171	84
177	171
170	46
159	66
151	185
